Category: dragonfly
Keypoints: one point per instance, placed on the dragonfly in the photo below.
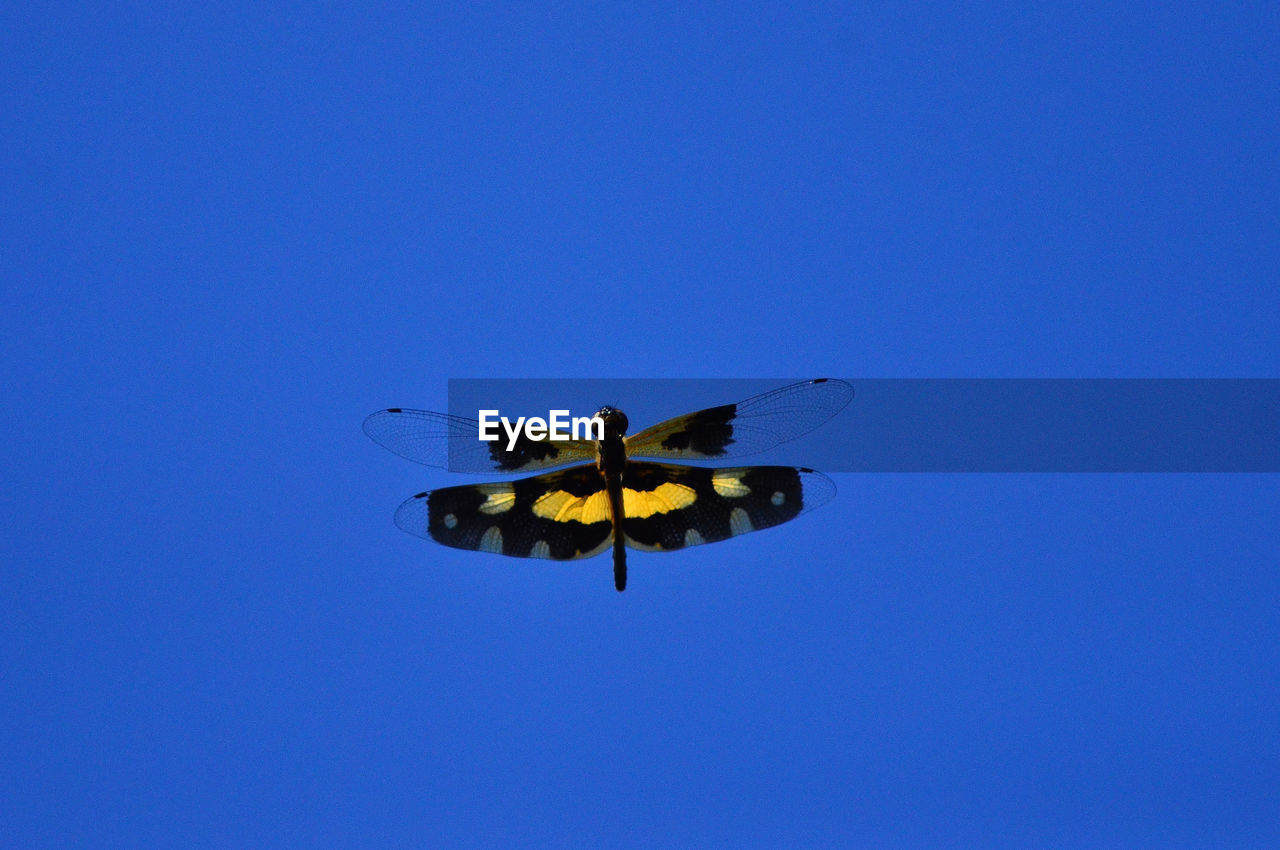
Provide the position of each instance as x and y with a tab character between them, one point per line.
609	500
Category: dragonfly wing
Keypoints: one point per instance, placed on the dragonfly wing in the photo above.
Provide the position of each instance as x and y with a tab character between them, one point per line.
748	427
453	442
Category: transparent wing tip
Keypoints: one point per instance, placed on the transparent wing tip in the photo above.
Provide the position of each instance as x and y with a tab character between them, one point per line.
816	489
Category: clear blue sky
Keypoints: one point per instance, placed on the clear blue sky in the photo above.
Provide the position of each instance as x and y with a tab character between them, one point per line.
229	232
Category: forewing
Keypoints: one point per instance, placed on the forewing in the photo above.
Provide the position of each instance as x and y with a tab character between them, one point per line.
673	507
748	427
561	516
453	442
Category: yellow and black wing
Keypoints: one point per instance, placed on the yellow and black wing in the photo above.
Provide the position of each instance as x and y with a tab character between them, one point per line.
679	506
560	515
564	515
453	442
748	427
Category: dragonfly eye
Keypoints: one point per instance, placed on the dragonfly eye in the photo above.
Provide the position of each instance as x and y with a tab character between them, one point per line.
615	421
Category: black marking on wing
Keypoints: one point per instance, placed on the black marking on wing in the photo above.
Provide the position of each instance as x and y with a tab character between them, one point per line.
748	427
452	442
454	517
764	496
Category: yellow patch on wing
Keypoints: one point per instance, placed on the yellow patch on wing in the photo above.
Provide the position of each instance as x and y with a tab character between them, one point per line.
562	506
668	497
729	486
499	500
552	504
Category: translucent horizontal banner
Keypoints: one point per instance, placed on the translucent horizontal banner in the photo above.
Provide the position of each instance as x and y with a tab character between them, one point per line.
942	425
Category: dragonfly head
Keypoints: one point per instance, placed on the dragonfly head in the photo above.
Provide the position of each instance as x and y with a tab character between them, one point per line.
615	422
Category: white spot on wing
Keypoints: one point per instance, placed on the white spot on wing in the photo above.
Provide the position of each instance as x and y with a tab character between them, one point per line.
739	522
541	549
777	498
450	521
492	540
693	538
